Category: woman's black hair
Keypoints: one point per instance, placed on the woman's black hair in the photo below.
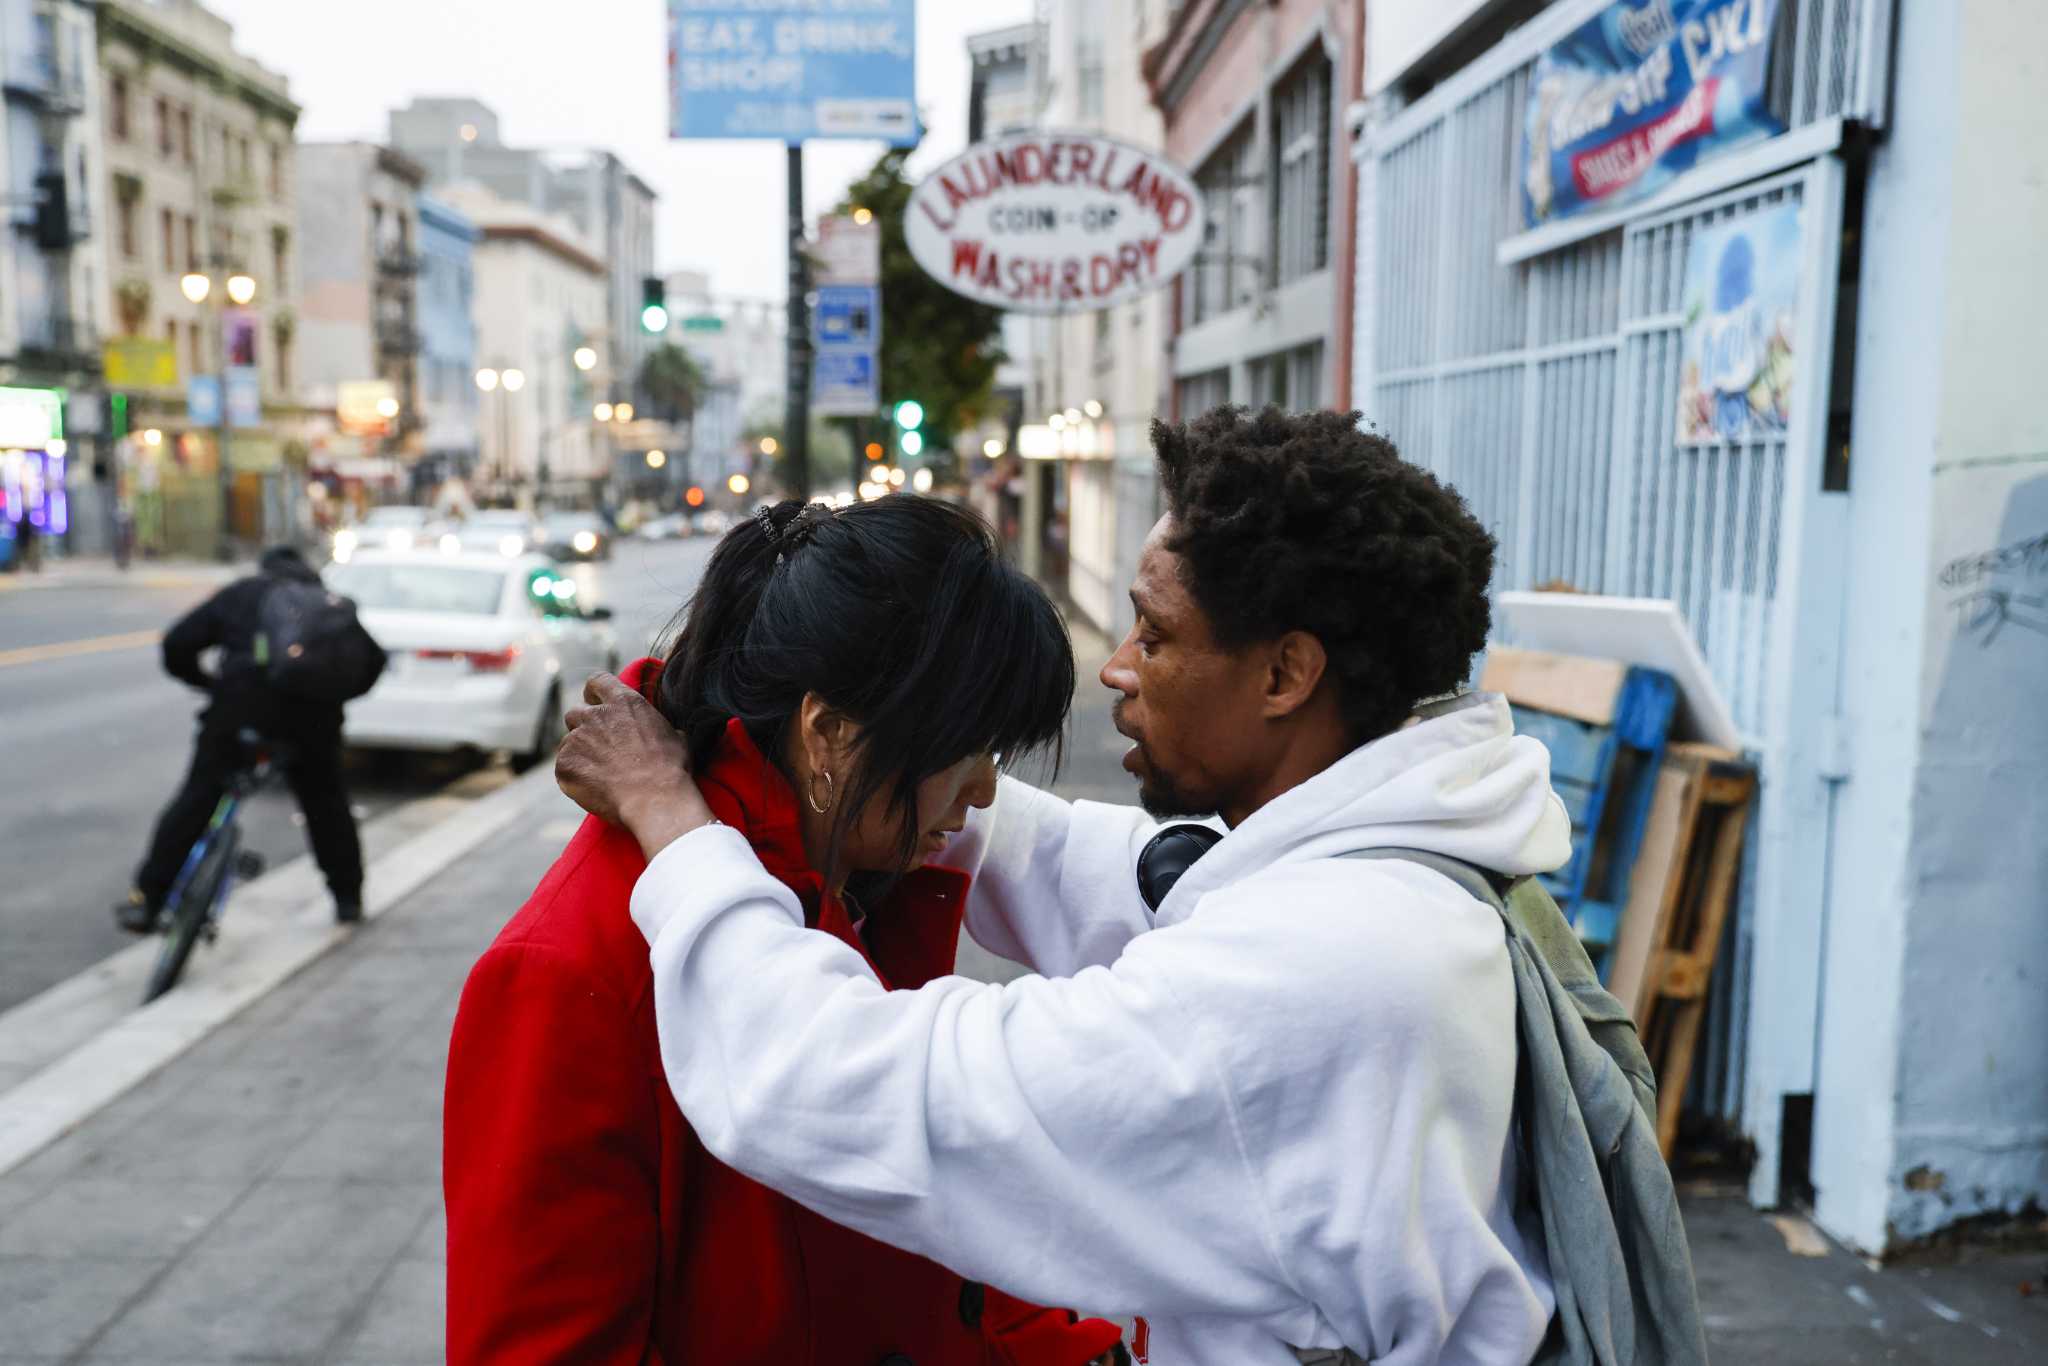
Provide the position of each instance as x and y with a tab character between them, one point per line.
901	614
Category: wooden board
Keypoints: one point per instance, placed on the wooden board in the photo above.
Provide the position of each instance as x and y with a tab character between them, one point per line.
1654	885
1565	685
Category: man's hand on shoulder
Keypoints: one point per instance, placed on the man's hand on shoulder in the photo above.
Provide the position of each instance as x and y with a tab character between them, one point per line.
622	762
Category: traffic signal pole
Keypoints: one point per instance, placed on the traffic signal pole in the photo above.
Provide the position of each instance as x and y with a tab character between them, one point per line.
796	422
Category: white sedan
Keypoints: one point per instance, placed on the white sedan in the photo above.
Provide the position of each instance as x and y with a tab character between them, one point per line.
487	651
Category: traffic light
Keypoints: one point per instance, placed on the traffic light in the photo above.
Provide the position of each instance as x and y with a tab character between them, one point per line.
653	304
909	417
874	450
695	497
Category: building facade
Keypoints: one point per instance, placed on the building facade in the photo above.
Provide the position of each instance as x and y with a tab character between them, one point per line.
1253	99
359	310
612	209
52	272
1856	541
541	297
447	364
198	178
738	345
1101	372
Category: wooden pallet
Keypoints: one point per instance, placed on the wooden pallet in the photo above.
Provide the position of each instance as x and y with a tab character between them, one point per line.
1604	723
1680	892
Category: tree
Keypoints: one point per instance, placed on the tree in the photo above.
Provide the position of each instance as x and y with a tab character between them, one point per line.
672	381
937	347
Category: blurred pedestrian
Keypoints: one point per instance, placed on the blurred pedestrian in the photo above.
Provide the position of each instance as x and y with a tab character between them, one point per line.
587	1221
244	696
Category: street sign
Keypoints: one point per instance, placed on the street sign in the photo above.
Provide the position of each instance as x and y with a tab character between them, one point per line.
1054	222
846	337
244	396
140	363
704	322
849	252
845	384
791	71
202	400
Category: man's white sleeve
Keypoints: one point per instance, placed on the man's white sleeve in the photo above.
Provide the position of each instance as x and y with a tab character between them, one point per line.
1061	1138
1055	882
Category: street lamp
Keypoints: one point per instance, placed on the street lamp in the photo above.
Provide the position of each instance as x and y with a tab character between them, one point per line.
514	381
585	358
992	448
602	412
623	411
656	459
387	407
196	286
241	289
739	483
487	379
768	445
863	216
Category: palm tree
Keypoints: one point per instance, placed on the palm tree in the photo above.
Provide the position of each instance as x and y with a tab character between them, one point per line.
672	381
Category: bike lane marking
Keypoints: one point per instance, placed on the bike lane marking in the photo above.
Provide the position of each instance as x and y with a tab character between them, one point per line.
67	649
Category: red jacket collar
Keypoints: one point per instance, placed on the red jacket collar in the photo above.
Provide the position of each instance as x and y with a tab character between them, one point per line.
751	795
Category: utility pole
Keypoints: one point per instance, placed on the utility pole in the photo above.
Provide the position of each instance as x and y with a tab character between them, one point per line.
796	422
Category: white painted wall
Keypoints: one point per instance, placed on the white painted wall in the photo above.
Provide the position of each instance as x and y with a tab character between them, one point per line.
1932	1087
1398	33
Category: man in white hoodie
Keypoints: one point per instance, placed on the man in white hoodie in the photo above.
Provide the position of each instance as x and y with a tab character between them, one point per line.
1273	1114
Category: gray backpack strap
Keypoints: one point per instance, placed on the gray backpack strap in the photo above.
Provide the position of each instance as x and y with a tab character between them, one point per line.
1468	876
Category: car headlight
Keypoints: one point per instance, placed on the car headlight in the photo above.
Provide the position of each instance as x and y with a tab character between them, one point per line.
585	542
450	543
344	541
511	545
400	540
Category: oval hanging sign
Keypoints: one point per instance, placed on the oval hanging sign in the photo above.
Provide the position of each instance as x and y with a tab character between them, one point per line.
1054	222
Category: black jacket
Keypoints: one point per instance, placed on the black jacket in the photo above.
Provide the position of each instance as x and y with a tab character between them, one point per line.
230	619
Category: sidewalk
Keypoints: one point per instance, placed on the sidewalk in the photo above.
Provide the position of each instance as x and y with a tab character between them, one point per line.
100	571
274	1193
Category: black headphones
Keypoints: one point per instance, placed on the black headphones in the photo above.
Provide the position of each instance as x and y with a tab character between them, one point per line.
1167	855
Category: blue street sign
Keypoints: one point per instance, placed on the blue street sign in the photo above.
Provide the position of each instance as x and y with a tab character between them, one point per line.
792	71
244	396
202	400
846	337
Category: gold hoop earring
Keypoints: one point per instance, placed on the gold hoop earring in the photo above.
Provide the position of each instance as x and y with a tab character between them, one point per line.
831	792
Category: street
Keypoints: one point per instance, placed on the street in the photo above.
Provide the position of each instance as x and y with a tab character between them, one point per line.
97	739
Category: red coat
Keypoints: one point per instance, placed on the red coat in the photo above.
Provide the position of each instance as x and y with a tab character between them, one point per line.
586	1223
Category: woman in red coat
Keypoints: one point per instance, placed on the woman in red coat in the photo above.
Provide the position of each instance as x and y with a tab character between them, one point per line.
875	661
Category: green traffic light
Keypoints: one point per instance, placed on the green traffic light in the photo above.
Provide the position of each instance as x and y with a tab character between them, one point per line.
912	443
910	414
654	318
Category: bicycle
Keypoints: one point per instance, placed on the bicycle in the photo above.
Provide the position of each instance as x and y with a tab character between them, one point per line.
200	893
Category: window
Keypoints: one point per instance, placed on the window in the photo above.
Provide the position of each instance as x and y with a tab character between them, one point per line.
163	126
281	345
1199	393
117	107
1292	380
169	223
125	217
276	171
192	334
191	243
280	258
248	162
1226	272
185	136
1088	77
1300	171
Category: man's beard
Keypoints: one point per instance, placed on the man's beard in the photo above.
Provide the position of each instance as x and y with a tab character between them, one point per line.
1165	801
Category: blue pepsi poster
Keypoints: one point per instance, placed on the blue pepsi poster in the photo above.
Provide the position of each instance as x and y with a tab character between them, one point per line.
1736	362
792	70
1638	95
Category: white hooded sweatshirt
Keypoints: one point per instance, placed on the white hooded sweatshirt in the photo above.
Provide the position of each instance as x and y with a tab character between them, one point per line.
1276	1113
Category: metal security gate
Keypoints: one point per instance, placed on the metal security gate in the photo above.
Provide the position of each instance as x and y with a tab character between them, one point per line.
1546	390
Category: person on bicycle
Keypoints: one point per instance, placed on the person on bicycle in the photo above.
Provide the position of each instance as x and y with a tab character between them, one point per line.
306	733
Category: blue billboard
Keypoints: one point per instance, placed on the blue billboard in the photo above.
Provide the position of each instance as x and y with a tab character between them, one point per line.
790	70
1638	95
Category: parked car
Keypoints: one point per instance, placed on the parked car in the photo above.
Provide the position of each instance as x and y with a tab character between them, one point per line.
576	536
713	522
487	650
667	528
389	528
507	531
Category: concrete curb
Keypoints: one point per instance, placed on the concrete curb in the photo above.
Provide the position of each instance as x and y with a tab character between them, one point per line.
275	926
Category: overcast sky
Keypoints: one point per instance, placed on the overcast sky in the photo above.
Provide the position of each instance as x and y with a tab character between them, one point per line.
592	73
